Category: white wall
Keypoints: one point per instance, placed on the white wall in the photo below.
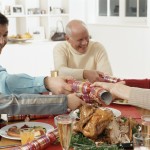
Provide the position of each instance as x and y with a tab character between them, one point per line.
35	59
128	49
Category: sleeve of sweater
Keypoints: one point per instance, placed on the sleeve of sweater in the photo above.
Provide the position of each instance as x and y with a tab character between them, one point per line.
102	60
140	97
33	104
20	83
140	83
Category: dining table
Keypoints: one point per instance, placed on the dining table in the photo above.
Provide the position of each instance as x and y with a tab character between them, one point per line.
125	109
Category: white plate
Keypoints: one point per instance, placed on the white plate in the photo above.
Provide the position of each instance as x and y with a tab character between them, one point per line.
121	102
116	112
18	40
74	114
30	124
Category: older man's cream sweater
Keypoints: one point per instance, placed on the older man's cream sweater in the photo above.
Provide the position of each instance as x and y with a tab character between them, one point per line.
70	62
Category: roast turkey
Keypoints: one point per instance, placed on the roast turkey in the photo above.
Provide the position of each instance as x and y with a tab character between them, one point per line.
100	124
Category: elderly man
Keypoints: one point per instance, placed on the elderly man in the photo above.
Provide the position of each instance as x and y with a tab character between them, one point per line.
79	56
32	102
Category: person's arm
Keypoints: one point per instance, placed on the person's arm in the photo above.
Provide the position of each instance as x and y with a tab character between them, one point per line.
93	75
38	104
141	83
116	89
33	104
23	83
140	97
135	96
103	64
20	83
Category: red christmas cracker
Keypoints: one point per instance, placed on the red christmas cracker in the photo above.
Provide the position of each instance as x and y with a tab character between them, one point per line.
40	143
110	79
89	94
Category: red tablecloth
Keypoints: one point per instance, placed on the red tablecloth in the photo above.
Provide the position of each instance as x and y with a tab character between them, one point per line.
126	110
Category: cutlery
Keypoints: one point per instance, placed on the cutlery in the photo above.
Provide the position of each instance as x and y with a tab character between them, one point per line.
8	146
127	146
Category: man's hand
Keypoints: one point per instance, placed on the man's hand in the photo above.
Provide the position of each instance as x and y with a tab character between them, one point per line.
74	102
58	85
93	75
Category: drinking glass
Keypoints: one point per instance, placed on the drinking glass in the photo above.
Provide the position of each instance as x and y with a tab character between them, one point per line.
26	135
64	124
141	141
54	73
146	124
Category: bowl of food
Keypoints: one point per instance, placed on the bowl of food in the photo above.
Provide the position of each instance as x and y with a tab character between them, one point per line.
20	37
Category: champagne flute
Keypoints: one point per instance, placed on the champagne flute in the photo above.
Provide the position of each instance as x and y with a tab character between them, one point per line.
146	124
64	124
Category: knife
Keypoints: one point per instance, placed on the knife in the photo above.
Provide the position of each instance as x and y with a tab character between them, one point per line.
8	146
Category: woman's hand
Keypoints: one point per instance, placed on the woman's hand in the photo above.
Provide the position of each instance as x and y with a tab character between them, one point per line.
104	85
107	86
118	90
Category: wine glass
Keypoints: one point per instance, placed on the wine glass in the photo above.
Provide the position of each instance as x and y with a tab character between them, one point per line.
146	124
64	124
141	141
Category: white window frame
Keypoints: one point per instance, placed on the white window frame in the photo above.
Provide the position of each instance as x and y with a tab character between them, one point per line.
120	20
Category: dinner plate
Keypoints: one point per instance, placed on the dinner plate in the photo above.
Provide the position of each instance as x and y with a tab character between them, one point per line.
121	102
30	124
18	39
116	112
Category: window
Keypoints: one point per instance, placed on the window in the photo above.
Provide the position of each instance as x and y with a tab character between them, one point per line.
108	7
136	8
102	7
119	12
114	8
